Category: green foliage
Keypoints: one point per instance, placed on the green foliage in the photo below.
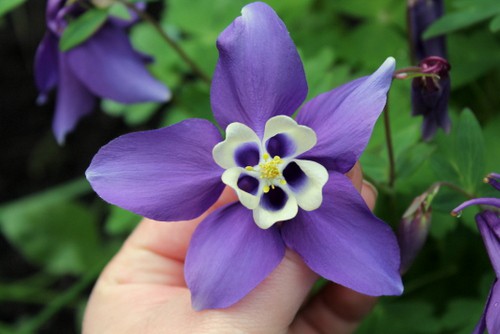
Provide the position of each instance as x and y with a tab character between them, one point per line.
81	28
8	5
66	233
474	12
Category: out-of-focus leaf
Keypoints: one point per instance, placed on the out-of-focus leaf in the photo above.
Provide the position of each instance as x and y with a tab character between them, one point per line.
472	56
8	5
79	30
462	19
495	24
133	114
460	157
121	221
61	237
410	160
193	100
401	317
462	315
119	10
469	150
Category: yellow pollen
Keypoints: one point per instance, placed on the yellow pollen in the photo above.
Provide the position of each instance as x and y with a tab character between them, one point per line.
269	169
249	168
265	189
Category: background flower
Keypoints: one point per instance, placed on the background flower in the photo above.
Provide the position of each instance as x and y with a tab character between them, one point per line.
104	66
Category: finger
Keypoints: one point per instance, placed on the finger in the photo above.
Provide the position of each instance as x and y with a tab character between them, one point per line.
337	309
154	253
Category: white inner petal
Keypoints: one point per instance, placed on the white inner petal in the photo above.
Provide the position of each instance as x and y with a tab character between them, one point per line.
303	137
248	164
310	195
265	218
230	177
237	135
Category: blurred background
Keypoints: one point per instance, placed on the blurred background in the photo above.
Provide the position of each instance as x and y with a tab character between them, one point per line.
56	234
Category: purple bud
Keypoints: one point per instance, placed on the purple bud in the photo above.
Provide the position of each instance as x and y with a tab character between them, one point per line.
493	179
421	14
414	228
430	94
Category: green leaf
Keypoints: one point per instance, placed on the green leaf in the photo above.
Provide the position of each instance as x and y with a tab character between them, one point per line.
119	10
401	317
8	5
469	151
462	315
411	159
79	30
462	19
495	24
61	237
133	114
121	221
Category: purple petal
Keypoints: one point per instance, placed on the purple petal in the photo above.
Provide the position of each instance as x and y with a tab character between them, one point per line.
345	243
481	324
229	256
46	64
73	101
488	223
110	68
491	201
166	174
343	118
259	73
493	310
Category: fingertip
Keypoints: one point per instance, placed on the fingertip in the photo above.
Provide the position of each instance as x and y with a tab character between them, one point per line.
369	194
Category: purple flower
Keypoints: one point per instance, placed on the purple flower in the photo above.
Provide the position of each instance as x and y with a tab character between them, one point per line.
288	174
104	66
488	222
429	95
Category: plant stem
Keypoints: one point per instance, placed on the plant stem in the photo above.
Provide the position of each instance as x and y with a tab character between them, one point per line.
146	17
388	141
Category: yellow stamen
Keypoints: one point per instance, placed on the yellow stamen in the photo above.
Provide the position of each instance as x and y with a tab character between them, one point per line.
249	168
265	189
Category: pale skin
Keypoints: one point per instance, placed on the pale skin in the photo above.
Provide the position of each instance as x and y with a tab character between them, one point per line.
142	289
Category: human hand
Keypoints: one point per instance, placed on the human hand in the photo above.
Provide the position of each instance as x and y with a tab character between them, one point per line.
142	290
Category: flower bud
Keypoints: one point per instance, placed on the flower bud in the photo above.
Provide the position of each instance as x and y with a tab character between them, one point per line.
414	228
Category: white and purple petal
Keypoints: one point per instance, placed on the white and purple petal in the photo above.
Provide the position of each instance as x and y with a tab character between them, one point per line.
306	179
343	118
259	73
283	137
247	188
109	67
229	256
166	174
241	148
345	243
278	204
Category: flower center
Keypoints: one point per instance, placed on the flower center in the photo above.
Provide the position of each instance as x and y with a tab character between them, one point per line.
269	171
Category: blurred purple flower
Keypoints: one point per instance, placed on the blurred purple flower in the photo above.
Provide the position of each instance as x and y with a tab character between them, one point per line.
488	222
288	174
429	95
104	66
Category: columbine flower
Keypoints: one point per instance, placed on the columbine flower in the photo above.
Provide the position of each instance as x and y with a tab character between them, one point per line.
103	66
488	222
288	174
429	95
